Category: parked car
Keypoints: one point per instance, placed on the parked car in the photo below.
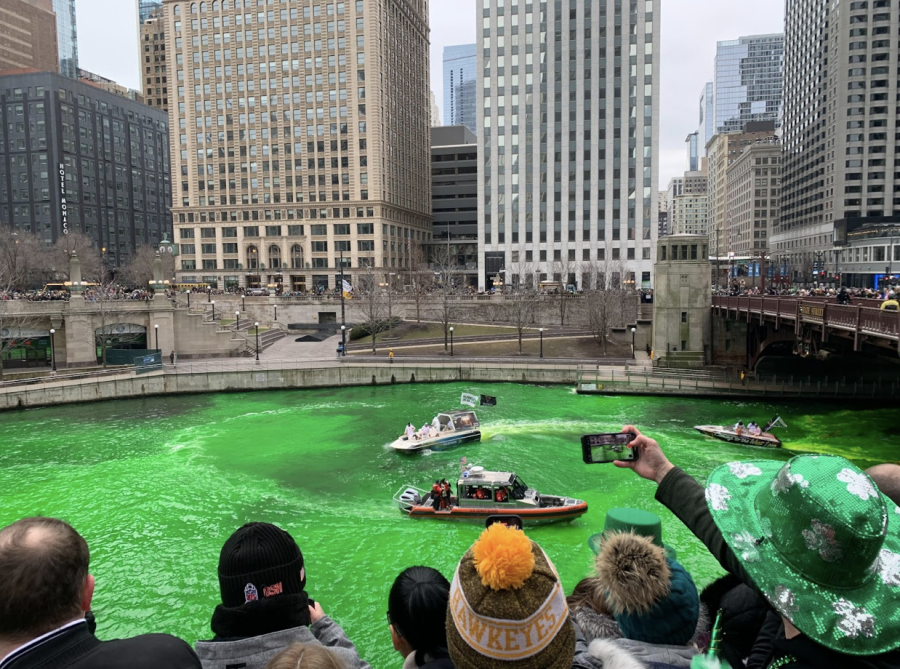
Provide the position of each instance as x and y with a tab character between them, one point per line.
258	292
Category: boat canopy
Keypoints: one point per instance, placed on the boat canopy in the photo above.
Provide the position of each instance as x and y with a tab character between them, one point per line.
459	420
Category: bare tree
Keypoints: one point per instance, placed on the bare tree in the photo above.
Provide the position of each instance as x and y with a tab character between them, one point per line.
563	270
114	330
606	300
369	301
91	262
421	278
446	274
138	271
18	329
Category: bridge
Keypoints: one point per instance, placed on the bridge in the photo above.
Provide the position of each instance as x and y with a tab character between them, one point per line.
863	322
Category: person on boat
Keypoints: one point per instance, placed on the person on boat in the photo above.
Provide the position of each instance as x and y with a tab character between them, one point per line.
410	431
501	495
436	496
417	610
446	493
436	426
739	428
425	432
480	494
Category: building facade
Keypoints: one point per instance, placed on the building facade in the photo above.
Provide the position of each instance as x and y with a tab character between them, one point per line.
689	215
109	85
692	146
300	139
28	36
707	116
74	157
751	202
662	207
461	86
840	127
748	81
568	144
154	66
148	9
454	199
66	37
692	184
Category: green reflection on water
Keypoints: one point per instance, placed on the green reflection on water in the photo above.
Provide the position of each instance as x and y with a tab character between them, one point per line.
157	485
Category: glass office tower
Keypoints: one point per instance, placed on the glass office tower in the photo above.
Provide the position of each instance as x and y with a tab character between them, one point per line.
460	76
748	81
67	37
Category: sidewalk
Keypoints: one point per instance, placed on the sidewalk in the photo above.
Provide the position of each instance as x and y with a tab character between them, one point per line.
287	348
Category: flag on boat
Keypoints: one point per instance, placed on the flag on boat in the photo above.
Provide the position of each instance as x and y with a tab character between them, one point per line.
488	401
775	422
347	290
468	399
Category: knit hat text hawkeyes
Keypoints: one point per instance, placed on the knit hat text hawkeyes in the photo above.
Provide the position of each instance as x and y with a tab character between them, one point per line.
259	561
507	607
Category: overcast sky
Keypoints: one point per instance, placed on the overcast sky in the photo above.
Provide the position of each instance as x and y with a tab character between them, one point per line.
107	44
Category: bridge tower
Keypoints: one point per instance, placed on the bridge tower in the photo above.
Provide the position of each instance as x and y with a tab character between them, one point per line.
682	302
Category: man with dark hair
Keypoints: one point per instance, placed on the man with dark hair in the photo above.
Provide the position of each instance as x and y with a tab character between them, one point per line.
45	600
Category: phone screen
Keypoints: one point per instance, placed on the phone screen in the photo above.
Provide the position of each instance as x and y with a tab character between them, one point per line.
602	448
508	520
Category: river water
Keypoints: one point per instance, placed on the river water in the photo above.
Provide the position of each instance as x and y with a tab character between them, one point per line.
157	485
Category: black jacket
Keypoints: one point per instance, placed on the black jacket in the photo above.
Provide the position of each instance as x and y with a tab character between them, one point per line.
687	499
76	648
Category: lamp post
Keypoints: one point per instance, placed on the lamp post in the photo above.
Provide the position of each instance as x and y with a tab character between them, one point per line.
53	349
343	340
208	294
213	303
257	340
451	341
243	306
237	320
156	330
633	330
541	330
276	312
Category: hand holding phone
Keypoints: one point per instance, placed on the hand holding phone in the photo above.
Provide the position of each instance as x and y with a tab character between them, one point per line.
607	447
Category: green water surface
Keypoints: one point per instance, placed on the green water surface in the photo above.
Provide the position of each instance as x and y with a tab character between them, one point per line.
157	485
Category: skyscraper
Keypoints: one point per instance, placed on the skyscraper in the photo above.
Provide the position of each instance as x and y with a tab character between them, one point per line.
707	126
460	94
569	141
28	36
839	136
300	139
748	81
148	8
66	37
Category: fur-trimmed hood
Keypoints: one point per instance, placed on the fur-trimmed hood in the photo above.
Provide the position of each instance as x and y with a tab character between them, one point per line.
633	572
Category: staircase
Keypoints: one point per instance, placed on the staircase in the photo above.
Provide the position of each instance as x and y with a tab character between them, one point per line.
266	339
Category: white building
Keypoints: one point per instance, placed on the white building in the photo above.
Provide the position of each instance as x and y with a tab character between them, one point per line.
569	141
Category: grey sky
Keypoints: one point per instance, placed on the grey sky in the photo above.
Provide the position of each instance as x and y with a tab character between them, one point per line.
107	44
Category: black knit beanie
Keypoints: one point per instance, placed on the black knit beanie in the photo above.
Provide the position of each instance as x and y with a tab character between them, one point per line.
258	562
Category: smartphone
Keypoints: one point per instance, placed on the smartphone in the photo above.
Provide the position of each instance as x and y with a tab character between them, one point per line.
509	521
607	447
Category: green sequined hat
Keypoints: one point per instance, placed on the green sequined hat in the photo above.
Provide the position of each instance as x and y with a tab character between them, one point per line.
820	542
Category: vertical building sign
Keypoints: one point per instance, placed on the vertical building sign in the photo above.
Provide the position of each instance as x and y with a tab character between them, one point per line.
63	205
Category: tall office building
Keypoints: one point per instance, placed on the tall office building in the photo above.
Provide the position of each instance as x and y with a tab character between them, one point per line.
707	127
748	81
154	65
148	9
750	212
66	37
300	139
840	124
460	86
692	146
28	36
569	141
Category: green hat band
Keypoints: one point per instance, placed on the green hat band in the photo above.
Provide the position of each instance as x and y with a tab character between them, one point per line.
833	549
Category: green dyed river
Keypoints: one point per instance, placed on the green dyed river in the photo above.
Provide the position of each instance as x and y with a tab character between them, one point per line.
156	486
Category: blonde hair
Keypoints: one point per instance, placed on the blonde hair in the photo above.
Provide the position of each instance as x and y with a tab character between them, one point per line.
305	656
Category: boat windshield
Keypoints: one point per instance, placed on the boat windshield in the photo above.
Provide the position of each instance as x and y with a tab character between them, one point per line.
519	488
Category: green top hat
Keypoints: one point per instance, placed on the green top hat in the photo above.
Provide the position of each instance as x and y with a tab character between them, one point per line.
820	542
637	521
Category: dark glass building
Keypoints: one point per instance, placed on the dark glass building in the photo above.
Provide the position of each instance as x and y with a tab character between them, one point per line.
454	198
75	157
67	37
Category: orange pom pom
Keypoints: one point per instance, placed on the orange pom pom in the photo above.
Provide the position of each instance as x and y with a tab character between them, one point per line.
503	557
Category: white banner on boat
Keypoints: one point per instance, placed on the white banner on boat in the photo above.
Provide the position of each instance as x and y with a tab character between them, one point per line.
469	400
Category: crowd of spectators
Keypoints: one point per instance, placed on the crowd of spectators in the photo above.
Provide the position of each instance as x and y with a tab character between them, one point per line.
741	290
811	547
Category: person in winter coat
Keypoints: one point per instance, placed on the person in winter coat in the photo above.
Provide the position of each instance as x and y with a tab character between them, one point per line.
813	536
264	606
417	607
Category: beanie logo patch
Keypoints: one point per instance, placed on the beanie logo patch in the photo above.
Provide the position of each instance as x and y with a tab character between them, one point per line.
272	590
250	593
508	640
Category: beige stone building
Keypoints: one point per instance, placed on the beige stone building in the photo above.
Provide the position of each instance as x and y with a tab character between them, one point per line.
154	77
690	214
300	135
28	36
752	201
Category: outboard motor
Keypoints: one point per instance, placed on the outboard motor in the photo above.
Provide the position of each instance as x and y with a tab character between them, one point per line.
408	499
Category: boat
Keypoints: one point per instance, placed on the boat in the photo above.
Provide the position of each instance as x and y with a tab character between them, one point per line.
766	439
477	495
457	427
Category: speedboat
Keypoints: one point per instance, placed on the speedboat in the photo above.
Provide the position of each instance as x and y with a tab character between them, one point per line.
457	427
480	494
765	439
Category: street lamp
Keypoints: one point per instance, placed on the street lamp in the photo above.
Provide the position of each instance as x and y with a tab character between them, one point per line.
343	340
276	312
632	342
243	306
257	340
213	303
156	329
541	330
451	341
237	320
53	348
